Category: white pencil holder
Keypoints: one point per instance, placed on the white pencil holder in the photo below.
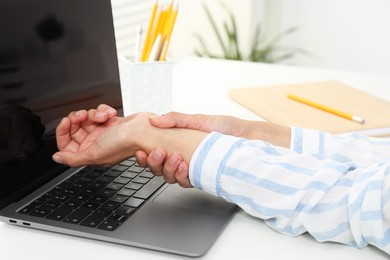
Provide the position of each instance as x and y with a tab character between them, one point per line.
145	86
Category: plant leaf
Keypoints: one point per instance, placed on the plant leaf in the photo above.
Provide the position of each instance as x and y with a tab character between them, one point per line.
213	24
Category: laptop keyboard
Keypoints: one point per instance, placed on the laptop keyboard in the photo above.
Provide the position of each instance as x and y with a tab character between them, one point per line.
102	198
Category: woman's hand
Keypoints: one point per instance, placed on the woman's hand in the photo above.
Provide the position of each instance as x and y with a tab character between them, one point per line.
175	169
98	137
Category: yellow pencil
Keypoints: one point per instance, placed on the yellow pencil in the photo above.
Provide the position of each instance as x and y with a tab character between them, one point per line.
148	36
357	119
168	33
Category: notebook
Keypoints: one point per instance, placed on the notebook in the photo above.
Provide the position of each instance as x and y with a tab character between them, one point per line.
57	56
272	104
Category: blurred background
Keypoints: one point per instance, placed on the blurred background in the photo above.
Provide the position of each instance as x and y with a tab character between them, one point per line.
350	35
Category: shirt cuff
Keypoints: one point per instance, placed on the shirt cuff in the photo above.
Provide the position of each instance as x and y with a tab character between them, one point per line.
209	159
307	140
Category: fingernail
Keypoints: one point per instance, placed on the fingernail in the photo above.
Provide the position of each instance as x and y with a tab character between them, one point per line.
180	169
173	158
57	159
158	153
78	113
100	114
156	117
110	112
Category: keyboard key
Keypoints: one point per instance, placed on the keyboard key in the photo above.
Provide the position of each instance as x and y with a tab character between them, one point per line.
134	186
69	191
59	213
124	210
77	216
81	197
51	205
40	212
130	175
127	163
90	177
59	198
114	186
120	168
140	180
118	217
90	191
48	195
119	198
37	202
71	204
90	205
98	185
134	202
99	199
112	205
136	168
122	180
104	212
106	179
113	173
109	225
107	192
147	174
85	170
126	192
101	169
26	209
92	220
149	188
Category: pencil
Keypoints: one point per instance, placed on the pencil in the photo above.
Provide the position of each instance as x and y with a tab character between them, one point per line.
137	54
168	32
147	43
334	111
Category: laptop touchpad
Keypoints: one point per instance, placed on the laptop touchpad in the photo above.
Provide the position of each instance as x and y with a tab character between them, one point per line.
190	198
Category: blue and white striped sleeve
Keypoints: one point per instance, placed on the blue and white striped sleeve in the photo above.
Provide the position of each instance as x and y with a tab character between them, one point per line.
337	188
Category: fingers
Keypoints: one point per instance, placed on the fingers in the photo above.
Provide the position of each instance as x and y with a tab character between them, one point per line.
63	133
79	123
155	161
172	119
141	158
181	175
102	114
69	158
107	109
172	167
180	120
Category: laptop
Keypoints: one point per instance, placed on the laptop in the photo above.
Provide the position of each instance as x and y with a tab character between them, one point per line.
57	56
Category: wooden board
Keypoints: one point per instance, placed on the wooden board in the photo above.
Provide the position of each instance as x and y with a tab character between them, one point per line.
272	104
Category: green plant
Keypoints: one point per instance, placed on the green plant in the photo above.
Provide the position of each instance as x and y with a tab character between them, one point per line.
260	51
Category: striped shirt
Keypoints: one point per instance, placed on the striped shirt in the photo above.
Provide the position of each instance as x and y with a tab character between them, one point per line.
336	188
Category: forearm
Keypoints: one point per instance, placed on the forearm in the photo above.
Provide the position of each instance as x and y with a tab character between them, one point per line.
185	141
325	196
268	132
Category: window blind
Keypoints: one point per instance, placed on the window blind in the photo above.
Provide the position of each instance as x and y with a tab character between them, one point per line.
128	16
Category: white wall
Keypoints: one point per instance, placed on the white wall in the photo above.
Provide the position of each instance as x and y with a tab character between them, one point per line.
192	19
347	35
340	34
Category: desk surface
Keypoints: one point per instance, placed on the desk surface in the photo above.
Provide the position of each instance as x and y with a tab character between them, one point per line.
200	86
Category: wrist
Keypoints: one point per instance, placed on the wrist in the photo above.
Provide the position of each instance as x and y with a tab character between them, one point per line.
268	132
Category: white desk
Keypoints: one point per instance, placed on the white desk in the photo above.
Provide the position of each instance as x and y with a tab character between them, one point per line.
200	86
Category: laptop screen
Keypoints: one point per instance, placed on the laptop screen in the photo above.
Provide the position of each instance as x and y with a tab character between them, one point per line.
56	56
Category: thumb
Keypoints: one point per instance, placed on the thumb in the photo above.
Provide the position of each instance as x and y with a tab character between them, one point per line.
171	120
71	159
